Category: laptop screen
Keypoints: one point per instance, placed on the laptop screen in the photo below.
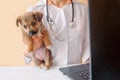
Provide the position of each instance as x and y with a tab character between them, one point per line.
105	29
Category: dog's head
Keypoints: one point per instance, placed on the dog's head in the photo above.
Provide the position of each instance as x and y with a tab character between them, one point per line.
30	22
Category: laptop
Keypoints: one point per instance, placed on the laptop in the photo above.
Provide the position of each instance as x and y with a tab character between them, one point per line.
105	43
77	72
105	39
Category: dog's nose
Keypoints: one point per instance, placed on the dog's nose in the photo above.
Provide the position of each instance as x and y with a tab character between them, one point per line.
31	33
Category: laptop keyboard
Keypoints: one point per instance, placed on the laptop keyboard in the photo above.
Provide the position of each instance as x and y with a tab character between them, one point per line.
84	74
79	72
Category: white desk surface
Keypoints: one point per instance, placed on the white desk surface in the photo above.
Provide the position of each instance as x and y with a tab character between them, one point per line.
31	73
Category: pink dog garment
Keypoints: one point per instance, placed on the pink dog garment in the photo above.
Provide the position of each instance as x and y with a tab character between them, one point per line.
39	48
40	53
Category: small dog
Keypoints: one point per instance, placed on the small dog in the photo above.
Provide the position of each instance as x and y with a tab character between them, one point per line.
32	26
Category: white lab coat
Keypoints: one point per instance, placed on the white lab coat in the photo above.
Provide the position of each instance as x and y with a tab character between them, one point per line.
75	48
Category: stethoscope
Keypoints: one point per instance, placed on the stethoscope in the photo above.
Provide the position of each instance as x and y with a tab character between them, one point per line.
51	23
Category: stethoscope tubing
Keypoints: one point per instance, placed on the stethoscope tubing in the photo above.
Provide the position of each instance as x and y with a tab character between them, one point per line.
51	22
48	16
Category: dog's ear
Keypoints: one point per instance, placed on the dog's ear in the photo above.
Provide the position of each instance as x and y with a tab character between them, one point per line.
18	21
37	15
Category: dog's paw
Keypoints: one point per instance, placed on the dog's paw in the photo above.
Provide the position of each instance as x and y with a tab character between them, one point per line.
45	68
27	59
42	66
49	47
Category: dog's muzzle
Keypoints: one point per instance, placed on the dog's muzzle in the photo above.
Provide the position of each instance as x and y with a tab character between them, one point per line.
31	33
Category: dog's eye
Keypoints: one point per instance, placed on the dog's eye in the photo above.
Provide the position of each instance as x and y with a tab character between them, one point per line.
33	23
25	26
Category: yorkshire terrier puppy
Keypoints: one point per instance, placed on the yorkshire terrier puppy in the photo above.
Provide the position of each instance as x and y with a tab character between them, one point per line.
36	38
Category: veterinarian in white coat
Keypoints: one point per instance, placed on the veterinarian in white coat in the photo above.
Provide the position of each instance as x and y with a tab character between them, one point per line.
70	39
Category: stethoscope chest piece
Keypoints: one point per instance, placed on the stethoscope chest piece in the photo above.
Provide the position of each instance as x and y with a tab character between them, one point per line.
71	24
